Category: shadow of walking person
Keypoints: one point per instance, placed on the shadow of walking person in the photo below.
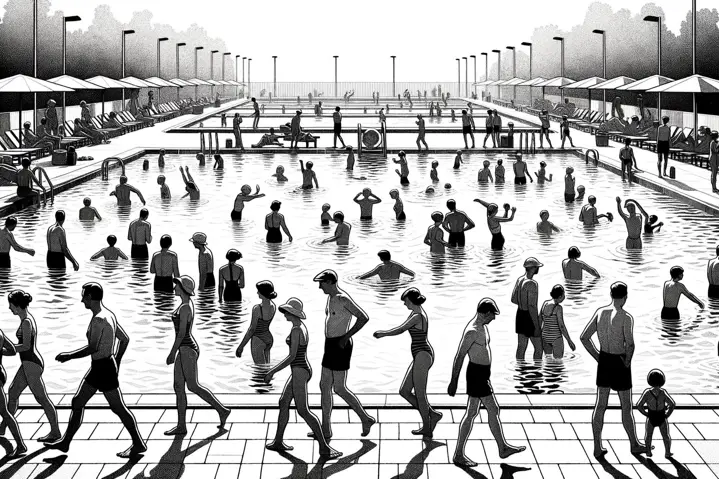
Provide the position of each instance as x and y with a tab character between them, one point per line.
682	471
343	463
55	465
415	467
611	470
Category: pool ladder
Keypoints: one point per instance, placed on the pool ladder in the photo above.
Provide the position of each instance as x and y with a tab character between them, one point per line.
203	145
595	155
105	168
44	173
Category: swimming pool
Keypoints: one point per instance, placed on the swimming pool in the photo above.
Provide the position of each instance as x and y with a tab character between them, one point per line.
452	286
326	121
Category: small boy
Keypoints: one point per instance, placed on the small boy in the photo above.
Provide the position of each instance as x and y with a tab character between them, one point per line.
458	160
545	226
342	232
454	116
87	212
366	203
110	253
161	159
651	226
657	405
435	235
499	172
580	193
626	156
308	175
219	163
485	174
433	175
280	174
164	189
566	134
569	182
542	174
326	217
673	290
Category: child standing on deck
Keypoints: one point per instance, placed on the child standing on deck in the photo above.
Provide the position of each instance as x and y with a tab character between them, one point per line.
566	134
657	405
626	156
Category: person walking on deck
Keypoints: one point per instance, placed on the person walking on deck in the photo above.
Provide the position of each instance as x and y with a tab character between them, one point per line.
414	385
387	269
456	222
51	115
140	234
566	133
258	334
663	145
544	129
420	133
526	296
489	128
205	262
164	266
615	331
8	349
475	345
338	350
673	290
714	159
337	120
497	127
256	114
467	128
107	342
494	222
123	190
57	249
295	130
8	242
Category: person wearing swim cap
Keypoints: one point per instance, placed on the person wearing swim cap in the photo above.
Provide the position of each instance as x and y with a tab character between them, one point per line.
165	266
573	266
435	236
526	296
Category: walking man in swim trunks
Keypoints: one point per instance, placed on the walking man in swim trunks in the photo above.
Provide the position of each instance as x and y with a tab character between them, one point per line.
525	295
544	129
337	119
7	241
712	276
456	222
295	130
387	269
673	290
420	135
103	374
140	233
497	127
489	128
338	351
57	249
122	192
256	114
614	329
475	344
164	266
663	138
633	222
467	128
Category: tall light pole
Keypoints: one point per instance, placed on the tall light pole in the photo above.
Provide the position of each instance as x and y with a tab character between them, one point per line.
466	77
34	58
243	75
274	80
604	72
561	40
393	77
499	71
474	58
124	34
223	69
196	50
528	44
658	21
335	57
65	20
212	73
159	40
694	62
177	64
486	68
459	79
249	82
237	76
514	71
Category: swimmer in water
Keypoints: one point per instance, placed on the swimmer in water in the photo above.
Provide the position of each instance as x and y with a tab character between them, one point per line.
326	217
457	160
87	212
164	265
387	269
398	205
545	226
161	159
456	222
521	173
57	249
633	222
554	330
190	186
433	175
485	174
712	275
280	174
123	190
200	158
7	241
273	222
580	193
435	235
429	190
542	174
145	164
589	215
573	266
342	232
205	262
366	203
240	200
499	172
164	189
648	228
673	290
219	163
308	176
651	225
109	253
350	159
404	173
494	223
569	182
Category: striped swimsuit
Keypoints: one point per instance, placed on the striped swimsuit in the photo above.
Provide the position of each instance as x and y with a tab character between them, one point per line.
300	360
550	326
419	340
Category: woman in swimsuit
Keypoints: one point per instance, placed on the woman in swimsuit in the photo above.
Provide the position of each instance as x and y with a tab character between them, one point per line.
417	325
551	316
8	349
184	355
398	205
296	386
31	366
435	234
494	223
245	195
326	217
259	330
657	405
232	278
273	222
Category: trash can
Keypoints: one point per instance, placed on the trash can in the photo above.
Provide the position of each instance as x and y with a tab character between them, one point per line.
228	143
218	103
602	140
198	110
71	156
506	141
59	157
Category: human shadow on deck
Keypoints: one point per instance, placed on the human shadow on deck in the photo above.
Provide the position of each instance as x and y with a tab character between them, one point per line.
415	467
679	184
300	467
682	471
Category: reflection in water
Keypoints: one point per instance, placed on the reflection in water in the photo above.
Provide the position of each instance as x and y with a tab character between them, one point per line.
541	377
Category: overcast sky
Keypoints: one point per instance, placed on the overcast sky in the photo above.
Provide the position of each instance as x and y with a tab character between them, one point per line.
425	36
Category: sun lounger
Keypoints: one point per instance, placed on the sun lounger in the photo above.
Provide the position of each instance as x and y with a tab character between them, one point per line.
17	154
13	141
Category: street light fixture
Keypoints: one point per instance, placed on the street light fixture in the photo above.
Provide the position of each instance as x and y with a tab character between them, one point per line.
212	72
223	69
335	57
529	44
393	77
514	71
124	34
274	81
604	71
658	21
65	21
237	76
466	77
196	50
243	74
459	80
499	71
486	68
177	64
474	57
249	82
561	40
159	40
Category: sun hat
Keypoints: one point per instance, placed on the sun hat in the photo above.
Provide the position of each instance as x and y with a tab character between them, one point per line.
186	283
294	307
199	238
532	262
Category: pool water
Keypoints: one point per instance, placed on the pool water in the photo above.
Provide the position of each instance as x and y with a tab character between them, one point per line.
369	120
686	349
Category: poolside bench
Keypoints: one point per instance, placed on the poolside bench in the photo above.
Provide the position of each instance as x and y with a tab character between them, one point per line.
313	140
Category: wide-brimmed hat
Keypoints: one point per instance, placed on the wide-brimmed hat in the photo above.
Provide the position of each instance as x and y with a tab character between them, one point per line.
532	262
294	307
186	283
199	238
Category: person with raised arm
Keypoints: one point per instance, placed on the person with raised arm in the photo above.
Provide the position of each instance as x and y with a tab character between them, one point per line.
633	222
572	267
244	196
140	234
8	242
456	222
403	172
526	296
342	232
672	293
387	269
273	222
588	214
123	190
57	249
366	200
494	222
190	186
544	129
308	176
542	174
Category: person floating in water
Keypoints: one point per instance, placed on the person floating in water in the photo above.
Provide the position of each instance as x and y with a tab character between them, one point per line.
338	351
544	225
366	203
273	222
554	330
542	174
205	262
161	159
342	232
673	290
456	222
485	174
588	215
7	348
87	212
190	186
184	354
421	133
164	189
494	223
526	296
403	172
614	328
57	249
521	173
398	205
657	405
164	266
489	127
573	266
414	385
296	386
499	172
458	160
107	343
123	190
140	234
569	182
280	174
232	278
350	159
7	242
475	345
244	196
111	252
388	269
325	217
308	176
435	235
433	175
633	222
258	334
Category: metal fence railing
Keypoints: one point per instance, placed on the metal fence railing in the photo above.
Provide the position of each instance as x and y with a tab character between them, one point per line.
361	89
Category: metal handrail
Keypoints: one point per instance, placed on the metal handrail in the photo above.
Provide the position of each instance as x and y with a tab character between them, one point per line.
594	153
44	173
384	140
359	140
105	167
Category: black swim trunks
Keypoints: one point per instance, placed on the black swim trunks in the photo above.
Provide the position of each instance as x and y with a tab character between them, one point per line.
496	128
338	129
337	358
612	373
236	215
456	239
365	217
489	130
524	325
663	147
520	180
164	284
325	222
401	216
670	313
139	251
273	235
497	241
4	260
404	180
103	374
210	280
713	291
466	129
656	418
55	260
569	197
478	384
